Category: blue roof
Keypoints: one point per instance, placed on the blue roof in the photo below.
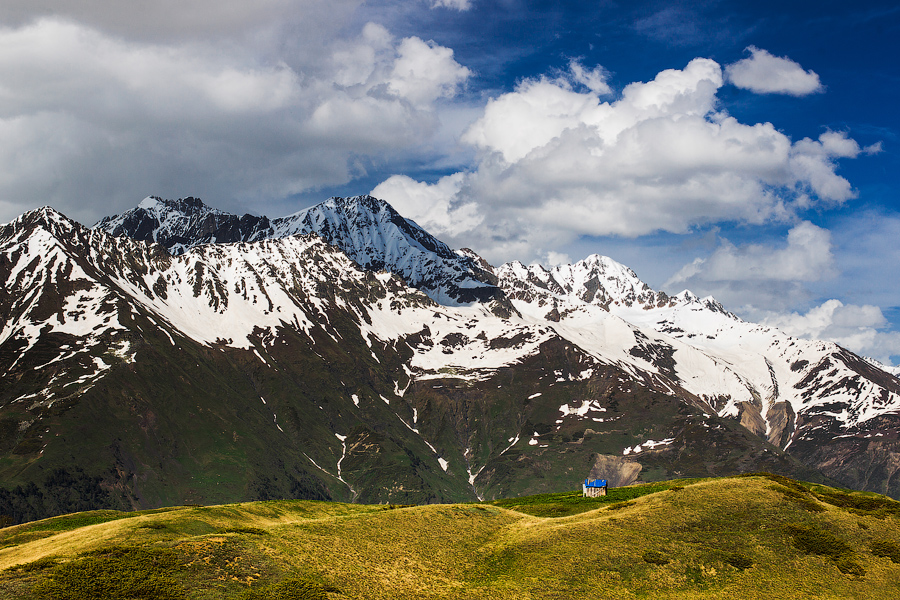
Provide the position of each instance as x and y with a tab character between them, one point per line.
595	483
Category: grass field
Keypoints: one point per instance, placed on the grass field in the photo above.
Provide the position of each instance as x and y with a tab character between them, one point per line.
746	537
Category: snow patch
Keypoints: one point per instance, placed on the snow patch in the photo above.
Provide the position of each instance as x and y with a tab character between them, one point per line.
586	407
648	445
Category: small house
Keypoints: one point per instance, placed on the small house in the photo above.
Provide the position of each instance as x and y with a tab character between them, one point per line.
592	488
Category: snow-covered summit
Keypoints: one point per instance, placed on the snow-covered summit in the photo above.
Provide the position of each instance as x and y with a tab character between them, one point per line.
597	281
366	229
737	368
368	226
373	234
184	223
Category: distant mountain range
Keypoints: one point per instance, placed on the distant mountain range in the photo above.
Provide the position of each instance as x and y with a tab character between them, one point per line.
179	354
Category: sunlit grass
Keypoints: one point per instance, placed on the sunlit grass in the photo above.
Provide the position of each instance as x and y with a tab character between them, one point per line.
750	537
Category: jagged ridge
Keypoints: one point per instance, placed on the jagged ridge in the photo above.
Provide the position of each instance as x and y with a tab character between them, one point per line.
683	344
476	399
366	229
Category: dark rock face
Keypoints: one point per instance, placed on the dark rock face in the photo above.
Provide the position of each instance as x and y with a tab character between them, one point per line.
866	457
184	223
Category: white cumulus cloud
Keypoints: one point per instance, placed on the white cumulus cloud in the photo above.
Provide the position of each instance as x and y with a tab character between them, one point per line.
558	161
764	73
425	71
594	79
431	206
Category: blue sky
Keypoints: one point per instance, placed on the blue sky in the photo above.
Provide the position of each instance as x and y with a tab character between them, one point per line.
743	150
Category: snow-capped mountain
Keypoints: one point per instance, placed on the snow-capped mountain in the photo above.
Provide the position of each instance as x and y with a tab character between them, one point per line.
309	363
366	229
774	383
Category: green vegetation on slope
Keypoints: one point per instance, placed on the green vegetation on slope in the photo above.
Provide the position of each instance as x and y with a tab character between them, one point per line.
759	536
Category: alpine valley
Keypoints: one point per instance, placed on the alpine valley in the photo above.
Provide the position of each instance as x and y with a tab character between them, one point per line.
177	354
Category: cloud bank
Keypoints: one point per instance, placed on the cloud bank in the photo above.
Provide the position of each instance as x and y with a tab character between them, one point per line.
860	329
557	161
84	114
758	275
763	282
168	21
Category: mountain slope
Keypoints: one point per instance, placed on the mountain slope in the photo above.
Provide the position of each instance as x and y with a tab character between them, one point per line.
766	366
134	378
294	366
104	365
834	410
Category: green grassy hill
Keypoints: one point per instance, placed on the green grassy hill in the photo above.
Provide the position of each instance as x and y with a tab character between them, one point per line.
746	537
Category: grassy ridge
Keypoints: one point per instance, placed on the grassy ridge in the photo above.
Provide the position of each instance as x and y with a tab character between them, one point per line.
747	537
564	505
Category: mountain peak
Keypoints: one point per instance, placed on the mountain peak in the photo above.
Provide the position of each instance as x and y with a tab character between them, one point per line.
46	217
363	221
187	205
597	280
366	202
183	223
44	213
377	237
365	228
